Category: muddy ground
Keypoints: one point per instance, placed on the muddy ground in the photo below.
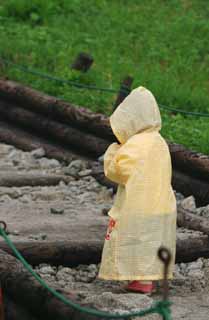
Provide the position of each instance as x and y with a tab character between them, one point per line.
55	212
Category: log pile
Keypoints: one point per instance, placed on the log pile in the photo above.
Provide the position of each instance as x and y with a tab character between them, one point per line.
30	118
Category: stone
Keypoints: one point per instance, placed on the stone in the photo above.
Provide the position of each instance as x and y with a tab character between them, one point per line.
74	168
196	265
84	173
119	303
47	270
14	232
57	210
43	236
25	198
203	211
49	163
38	153
5	198
189	203
101	159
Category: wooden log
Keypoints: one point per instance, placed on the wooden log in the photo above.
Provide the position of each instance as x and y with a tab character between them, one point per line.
2	306
189	220
188	186
31	179
27	292
67	135
14	311
183	159
66	253
181	182
125	89
188	250
26	141
196	164
83	62
53	107
73	253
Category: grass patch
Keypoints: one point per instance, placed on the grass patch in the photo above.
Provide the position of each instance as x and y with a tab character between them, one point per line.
162	44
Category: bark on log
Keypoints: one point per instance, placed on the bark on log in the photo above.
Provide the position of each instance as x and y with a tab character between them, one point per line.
188	186
73	253
30	179
25	141
181	182
75	116
189	161
189	220
24	290
66	253
90	144
14	311
185	160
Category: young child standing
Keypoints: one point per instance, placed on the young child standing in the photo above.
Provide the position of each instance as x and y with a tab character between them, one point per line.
143	217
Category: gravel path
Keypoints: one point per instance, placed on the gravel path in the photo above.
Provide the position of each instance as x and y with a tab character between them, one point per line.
51	213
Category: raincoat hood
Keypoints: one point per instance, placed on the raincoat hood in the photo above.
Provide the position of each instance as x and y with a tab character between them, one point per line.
138	112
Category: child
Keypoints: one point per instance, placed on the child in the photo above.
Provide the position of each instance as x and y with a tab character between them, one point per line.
143	217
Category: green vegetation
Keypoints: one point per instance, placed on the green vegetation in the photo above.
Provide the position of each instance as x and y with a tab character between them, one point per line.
164	45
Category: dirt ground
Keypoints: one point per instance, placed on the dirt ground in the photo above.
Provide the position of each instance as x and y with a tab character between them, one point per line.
68	212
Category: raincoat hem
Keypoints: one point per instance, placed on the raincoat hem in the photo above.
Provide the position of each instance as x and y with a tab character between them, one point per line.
123	278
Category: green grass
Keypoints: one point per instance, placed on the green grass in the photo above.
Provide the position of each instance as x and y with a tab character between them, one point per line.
164	45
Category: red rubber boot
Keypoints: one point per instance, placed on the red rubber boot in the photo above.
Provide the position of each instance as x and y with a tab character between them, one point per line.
140	287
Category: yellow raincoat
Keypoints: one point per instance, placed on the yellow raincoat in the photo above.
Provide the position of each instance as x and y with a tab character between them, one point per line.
143	217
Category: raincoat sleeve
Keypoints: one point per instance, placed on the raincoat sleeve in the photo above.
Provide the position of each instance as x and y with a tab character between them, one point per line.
119	162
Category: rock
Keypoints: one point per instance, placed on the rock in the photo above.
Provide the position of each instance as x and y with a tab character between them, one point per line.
49	163
43	236
74	168
25	198
57	211
85	173
179	196
196	265
38	153
65	274
47	270
101	159
5	198
189	203
15	233
203	211
119	303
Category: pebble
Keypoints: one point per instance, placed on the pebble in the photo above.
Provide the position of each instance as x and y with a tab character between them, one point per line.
38	153
189	203
74	168
57	211
47	270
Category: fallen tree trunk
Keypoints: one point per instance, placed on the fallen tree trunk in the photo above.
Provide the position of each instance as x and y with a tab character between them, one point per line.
189	161
73	253
66	253
189	220
25	291
75	116
14	311
30	179
188	186
185	160
90	144
181	182
25	141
